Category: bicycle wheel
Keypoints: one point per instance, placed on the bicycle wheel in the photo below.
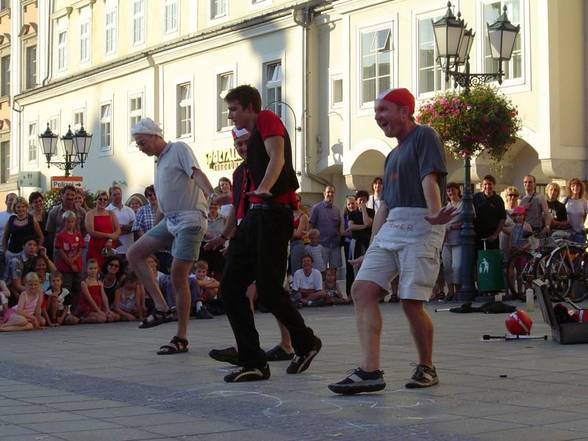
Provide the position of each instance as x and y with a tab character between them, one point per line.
541	267
560	273
580	293
515	270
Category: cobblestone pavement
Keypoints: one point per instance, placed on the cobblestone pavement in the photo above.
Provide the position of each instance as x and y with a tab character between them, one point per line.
105	382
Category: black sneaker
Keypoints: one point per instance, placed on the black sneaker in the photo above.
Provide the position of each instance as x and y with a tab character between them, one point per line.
301	362
203	314
227	355
424	376
359	381
277	353
248	374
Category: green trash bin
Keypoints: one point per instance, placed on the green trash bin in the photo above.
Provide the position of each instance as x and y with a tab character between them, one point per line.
490	272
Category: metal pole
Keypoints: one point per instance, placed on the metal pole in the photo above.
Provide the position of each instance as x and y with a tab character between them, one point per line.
467	291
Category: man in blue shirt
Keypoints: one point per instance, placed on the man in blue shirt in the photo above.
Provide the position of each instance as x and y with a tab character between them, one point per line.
407	235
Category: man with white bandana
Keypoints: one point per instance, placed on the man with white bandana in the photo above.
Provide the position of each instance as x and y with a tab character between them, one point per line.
407	235
182	190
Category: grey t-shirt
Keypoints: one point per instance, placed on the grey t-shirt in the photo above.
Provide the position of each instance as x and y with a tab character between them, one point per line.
175	188
420	154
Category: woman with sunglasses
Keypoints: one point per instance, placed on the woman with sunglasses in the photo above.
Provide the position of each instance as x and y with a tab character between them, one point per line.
102	226
511	201
112	276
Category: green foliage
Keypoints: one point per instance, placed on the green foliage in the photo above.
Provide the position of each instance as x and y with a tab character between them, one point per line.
483	120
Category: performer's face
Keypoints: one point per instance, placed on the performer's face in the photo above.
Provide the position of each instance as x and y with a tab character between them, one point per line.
147	144
242	117
391	118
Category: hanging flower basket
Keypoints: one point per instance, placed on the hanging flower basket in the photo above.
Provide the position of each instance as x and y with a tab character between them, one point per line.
483	120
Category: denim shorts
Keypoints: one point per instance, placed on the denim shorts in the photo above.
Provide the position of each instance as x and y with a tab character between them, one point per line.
185	245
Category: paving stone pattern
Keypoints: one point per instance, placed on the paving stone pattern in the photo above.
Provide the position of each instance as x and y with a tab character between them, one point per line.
105	383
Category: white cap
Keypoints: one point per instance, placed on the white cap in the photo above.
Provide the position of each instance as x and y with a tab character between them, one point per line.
146	126
238	133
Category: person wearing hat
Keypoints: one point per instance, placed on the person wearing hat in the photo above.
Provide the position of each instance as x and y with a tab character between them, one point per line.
182	190
407	235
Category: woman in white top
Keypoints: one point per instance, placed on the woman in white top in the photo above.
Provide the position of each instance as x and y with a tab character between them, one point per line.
375	199
576	207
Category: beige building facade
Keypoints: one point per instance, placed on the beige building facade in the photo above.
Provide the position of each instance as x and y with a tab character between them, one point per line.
319	65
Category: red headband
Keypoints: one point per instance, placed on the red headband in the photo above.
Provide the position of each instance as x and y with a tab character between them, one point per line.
401	97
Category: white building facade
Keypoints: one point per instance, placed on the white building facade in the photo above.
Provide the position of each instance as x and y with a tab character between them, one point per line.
319	64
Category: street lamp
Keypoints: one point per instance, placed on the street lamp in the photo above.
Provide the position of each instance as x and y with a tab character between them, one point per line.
75	146
454	43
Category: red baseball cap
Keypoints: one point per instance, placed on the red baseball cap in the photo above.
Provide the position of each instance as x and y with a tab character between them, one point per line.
401	97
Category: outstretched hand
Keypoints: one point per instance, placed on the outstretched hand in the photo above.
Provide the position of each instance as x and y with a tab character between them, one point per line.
259	193
445	215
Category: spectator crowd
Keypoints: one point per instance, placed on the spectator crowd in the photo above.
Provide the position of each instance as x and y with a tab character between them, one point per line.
68	265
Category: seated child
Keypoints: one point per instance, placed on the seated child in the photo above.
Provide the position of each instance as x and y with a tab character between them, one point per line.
128	299
307	285
208	285
26	315
315	250
334	295
57	311
93	305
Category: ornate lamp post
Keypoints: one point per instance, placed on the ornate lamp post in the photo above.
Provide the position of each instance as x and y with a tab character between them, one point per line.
75	146
454	43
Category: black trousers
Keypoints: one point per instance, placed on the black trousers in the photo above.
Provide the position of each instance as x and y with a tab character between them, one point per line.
258	252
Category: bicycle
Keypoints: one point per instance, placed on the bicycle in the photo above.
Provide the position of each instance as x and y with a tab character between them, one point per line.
568	265
524	266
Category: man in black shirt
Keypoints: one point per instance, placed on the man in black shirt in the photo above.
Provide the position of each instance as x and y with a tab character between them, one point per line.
490	215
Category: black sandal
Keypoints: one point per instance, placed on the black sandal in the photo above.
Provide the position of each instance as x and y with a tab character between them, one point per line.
177	345
156	318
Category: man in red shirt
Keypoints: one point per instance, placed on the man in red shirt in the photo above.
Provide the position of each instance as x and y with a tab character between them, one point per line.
258	251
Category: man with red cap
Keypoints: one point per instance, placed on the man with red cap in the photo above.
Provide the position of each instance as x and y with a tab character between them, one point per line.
407	235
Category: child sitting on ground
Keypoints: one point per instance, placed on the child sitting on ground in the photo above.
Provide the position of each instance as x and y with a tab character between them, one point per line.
315	250
208	289
26	315
128	299
307	285
334	295
93	305
208	285
56	296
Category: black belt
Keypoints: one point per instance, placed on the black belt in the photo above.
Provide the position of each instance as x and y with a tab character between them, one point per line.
266	206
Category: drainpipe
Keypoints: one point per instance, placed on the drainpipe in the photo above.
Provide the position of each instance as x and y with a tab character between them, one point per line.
303	17
49	44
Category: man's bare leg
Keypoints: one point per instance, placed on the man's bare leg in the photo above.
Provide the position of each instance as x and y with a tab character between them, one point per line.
180	270
421	327
366	296
137	257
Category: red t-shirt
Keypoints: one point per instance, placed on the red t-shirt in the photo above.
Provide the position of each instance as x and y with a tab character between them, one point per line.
70	243
269	124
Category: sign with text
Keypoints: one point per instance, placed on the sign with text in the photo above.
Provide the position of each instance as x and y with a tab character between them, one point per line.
58	182
225	159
